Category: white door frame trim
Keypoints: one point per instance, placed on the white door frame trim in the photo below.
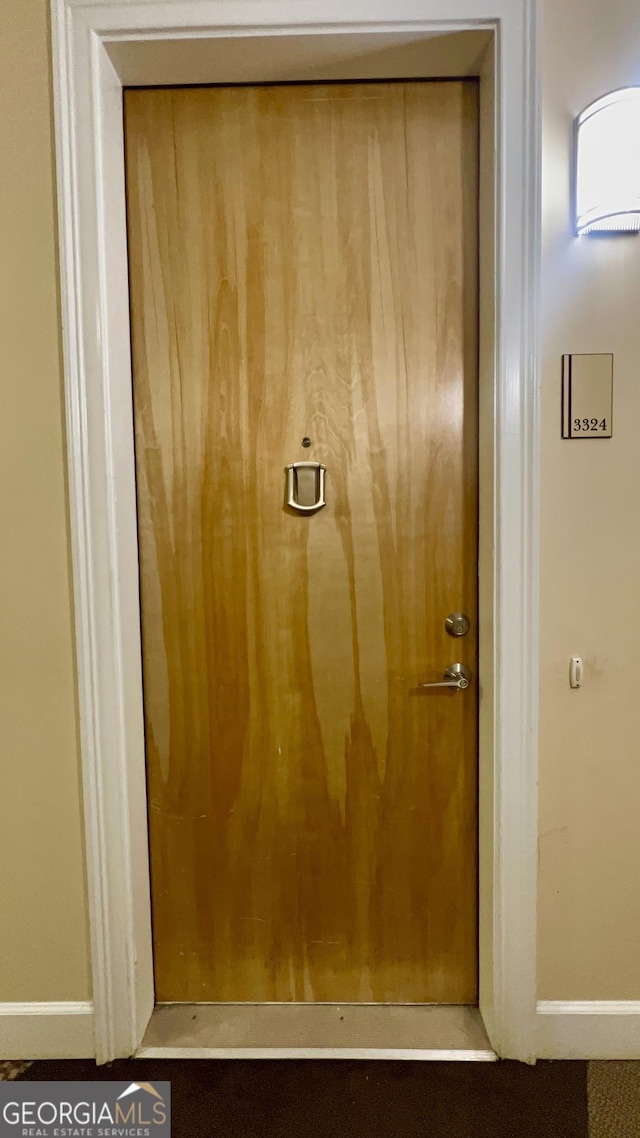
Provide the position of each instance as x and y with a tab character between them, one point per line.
94	290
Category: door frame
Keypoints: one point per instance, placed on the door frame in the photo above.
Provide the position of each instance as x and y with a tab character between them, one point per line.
97	46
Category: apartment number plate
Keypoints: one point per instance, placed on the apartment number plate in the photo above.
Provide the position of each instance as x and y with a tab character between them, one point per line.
587	396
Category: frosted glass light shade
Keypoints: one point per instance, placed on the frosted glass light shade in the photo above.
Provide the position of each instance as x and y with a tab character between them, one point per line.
607	188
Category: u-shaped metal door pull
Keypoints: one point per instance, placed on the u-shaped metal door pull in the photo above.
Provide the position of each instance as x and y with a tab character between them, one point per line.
316	472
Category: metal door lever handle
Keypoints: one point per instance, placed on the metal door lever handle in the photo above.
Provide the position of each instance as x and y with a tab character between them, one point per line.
456	676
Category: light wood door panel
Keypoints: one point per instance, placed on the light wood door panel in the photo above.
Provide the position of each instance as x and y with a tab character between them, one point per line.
303	264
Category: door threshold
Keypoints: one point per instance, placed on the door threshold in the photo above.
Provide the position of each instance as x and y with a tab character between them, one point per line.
316	1031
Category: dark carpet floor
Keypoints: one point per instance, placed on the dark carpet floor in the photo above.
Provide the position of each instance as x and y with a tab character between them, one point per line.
356	1099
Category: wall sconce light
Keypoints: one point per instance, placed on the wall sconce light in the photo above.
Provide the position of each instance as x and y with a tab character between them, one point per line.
607	164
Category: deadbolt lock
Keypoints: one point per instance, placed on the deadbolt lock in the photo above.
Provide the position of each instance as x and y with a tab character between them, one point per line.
457	624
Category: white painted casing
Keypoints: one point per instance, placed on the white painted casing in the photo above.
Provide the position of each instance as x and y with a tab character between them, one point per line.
89	147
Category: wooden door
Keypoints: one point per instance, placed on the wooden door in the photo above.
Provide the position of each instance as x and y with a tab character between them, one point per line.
303	267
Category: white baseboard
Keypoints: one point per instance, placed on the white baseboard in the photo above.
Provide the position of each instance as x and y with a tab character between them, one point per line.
46	1030
588	1029
567	1029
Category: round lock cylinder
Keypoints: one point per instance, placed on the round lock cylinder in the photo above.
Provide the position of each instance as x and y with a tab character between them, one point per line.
457	624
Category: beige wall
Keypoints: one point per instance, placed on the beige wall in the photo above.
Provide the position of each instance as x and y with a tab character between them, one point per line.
590	756
589	739
43	947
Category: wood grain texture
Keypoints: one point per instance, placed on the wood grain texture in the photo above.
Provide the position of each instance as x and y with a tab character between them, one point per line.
303	263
